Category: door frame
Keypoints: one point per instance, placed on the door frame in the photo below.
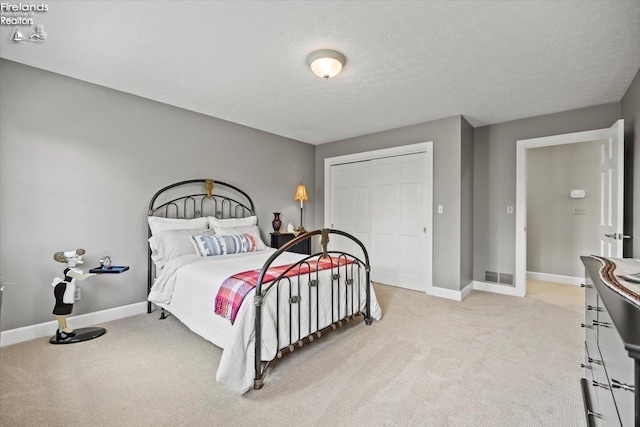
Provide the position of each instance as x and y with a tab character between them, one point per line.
522	145
421	147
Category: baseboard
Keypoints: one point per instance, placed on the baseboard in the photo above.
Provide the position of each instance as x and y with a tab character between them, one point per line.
496	288
27	333
466	290
451	294
555	278
435	291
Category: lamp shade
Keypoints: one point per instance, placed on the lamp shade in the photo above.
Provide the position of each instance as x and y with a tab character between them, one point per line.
301	193
326	63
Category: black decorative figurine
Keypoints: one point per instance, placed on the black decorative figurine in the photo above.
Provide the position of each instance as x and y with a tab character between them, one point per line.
276	223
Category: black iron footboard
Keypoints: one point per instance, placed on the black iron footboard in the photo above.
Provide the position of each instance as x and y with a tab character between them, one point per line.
300	319
346	302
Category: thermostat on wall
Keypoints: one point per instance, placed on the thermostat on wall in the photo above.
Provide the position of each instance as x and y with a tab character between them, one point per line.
577	194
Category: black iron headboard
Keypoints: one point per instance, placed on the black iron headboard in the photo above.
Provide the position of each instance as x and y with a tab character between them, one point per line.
171	202
234	208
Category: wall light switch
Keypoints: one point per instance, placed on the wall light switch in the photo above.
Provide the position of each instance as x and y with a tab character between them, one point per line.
580	211
440	209
510	210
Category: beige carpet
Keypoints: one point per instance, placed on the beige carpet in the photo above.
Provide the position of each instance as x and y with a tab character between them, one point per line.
490	360
568	296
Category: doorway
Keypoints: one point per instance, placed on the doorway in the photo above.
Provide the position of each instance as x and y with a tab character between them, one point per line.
385	199
611	194
563	210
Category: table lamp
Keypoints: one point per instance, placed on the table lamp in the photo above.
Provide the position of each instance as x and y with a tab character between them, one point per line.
301	195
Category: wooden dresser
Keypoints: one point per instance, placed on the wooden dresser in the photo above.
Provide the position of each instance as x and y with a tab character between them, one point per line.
612	343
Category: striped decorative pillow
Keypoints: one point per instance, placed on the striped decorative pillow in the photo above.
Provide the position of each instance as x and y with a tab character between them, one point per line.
224	245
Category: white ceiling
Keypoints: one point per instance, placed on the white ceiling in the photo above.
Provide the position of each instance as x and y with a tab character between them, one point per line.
407	62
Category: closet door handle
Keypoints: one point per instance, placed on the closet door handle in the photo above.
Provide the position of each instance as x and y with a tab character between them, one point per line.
582	325
596	361
590	307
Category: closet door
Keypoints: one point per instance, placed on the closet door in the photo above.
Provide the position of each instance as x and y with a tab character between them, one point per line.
400	221
351	205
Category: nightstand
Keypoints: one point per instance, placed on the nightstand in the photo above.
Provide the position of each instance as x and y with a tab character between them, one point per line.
279	239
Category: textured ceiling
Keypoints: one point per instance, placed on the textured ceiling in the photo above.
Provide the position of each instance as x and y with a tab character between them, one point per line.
407	62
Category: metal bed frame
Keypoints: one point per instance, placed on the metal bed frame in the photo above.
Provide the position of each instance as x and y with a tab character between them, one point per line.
291	289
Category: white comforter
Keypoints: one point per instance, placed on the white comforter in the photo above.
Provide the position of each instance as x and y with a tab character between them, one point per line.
188	285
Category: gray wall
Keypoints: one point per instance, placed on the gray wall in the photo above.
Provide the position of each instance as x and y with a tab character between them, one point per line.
445	134
466	204
495	178
555	236
78	165
631	114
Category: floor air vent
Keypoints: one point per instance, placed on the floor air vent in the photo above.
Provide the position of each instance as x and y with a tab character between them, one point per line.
491	276
506	279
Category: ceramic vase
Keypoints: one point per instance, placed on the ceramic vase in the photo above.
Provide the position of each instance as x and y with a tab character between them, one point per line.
276	223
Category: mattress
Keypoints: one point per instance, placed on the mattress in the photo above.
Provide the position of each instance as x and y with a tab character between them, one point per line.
188	285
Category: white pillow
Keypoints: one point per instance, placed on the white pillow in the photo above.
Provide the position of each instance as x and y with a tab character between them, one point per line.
170	244
158	224
245	229
232	222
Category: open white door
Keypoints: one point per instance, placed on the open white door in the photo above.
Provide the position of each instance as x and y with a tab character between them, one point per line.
612	192
611	196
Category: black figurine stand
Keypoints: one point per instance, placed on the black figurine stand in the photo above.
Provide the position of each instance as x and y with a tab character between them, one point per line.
86	334
82	334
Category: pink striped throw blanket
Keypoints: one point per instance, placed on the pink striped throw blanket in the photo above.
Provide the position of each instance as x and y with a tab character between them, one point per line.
235	288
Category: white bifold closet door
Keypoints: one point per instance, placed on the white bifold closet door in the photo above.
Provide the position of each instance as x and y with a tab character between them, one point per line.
398	221
384	203
350	205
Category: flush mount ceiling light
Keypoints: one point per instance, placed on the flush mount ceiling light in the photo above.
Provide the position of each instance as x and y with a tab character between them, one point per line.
326	63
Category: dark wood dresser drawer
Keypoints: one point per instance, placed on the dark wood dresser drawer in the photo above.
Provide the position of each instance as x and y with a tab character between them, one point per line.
619	367
604	405
590	294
